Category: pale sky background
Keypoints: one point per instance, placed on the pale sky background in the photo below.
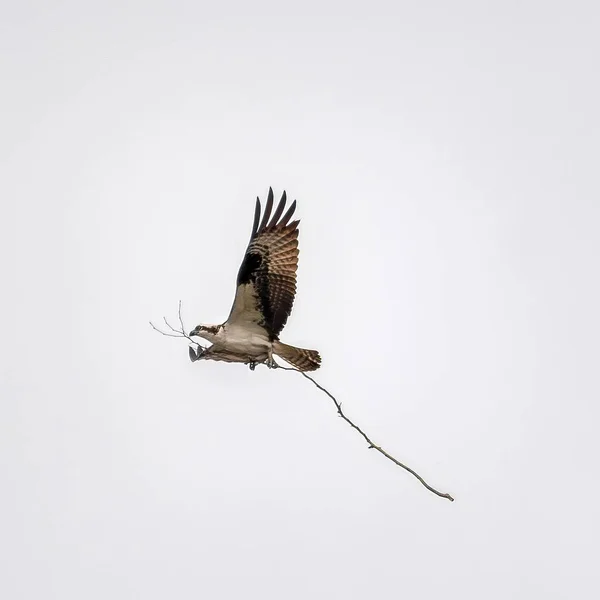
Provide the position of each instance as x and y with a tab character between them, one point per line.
444	156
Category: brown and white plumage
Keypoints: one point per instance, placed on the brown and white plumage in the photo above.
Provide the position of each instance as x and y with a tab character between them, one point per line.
266	282
266	287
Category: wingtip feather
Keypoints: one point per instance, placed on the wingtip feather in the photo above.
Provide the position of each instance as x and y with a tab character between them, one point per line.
256	217
288	214
278	211
268	209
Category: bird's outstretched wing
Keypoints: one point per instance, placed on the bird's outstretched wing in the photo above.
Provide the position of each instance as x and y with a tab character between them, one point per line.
266	282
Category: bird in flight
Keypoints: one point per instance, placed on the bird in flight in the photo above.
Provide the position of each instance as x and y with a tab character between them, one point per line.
266	286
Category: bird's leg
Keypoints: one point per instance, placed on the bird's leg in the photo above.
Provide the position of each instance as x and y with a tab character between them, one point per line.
270	362
252	365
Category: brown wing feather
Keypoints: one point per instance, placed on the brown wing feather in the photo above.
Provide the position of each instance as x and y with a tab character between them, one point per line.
266	283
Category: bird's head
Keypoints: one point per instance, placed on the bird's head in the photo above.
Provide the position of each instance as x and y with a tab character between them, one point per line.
208	332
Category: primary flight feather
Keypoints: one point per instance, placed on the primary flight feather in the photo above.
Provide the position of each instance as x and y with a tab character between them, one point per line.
264	296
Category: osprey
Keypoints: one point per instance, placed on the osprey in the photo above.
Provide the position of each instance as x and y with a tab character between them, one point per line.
266	285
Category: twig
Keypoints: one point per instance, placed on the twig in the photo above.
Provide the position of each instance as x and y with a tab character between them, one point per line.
180	333
180	319
164	332
372	445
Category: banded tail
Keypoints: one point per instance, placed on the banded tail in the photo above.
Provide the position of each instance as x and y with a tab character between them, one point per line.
303	360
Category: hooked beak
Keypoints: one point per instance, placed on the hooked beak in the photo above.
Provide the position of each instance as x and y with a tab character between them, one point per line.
192	332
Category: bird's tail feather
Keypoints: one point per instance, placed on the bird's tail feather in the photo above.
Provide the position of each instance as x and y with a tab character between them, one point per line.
304	360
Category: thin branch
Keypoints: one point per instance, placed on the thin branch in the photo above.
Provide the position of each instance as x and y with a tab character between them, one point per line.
164	332
180	333
180	319
372	445
172	328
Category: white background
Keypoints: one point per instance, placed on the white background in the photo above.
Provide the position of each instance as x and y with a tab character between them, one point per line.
444	156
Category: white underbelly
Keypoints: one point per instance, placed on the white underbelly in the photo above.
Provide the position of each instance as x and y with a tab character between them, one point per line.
247	341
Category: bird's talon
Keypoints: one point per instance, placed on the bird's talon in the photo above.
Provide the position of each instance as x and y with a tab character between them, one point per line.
192	354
